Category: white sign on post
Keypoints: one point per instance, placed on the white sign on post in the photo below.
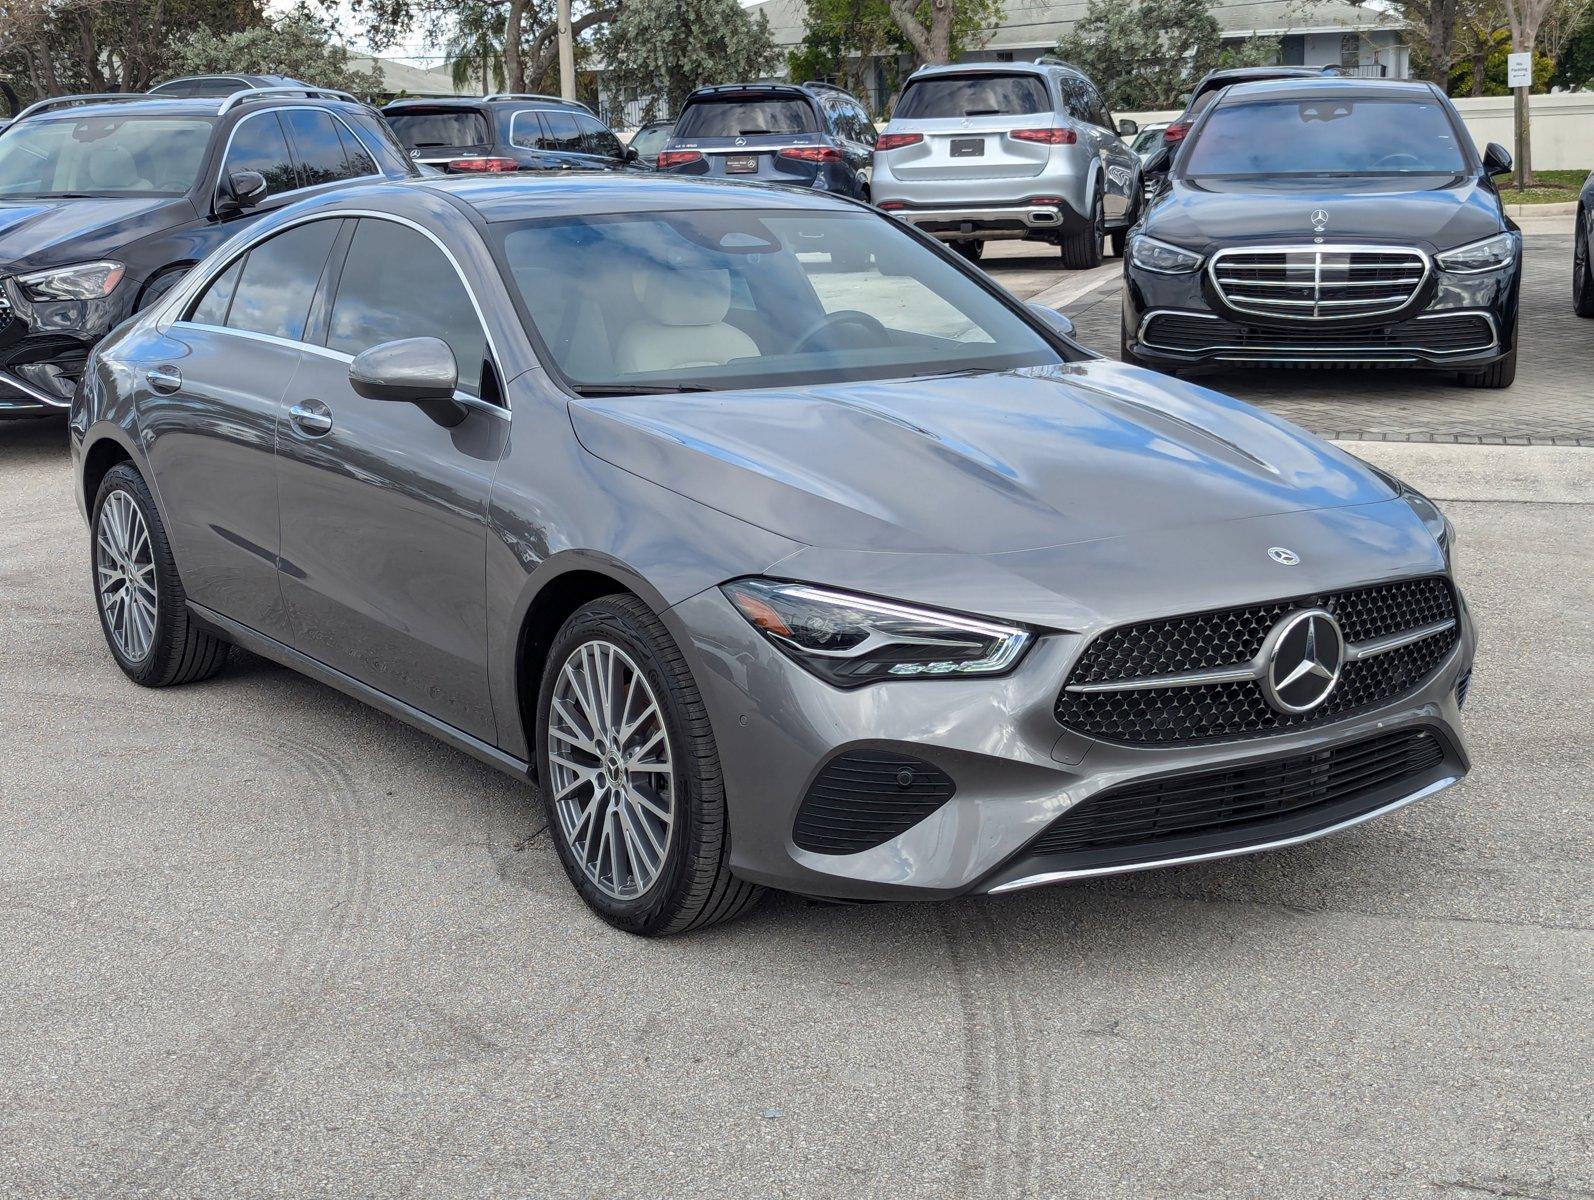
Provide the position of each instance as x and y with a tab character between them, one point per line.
1519	70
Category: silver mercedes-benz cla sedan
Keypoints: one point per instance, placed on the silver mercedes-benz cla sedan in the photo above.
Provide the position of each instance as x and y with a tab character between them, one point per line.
769	568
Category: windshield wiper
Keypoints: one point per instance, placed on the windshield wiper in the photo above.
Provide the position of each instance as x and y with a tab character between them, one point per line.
636	389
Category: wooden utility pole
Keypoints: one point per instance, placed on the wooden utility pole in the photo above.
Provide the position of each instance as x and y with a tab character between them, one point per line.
567	53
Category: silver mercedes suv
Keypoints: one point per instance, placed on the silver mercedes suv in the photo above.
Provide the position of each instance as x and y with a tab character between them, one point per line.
1009	150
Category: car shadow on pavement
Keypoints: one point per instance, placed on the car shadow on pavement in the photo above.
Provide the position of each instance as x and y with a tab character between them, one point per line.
32	439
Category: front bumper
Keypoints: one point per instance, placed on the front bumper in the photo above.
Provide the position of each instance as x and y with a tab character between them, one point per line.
44	347
1016	769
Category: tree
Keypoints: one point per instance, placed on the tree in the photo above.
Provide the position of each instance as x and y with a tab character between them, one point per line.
1147	54
475	51
1574	63
659	50
844	39
530	59
298	44
932	27
1431	26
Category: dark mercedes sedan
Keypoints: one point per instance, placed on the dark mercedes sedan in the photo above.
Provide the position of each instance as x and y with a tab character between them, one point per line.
864	584
1327	222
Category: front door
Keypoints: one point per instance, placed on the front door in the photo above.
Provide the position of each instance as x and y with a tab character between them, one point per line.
384	510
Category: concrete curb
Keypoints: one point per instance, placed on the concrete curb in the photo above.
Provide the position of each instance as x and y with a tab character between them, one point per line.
1542	210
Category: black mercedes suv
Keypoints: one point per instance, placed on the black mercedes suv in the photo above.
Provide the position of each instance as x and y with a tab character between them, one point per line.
106	202
1327	222
507	132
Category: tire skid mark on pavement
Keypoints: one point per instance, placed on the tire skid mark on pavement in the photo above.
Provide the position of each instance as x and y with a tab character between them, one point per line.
314	956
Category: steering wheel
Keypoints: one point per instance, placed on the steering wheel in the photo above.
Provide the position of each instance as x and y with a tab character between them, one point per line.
845	316
1390	160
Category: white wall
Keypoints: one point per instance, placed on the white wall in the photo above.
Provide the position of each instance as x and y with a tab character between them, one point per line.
1562	127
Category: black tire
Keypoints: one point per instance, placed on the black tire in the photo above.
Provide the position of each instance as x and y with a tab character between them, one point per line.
1499	374
1120	241
159	286
972	250
1082	250
1582	269
179	650
694	886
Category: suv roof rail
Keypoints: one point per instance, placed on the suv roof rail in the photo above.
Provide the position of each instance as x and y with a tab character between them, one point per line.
826	85
542	96
272	93
46	105
1052	60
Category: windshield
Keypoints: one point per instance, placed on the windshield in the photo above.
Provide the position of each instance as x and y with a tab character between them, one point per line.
102	156
650	140
983	95
745	298
433	130
746	115
1326	136
1149	138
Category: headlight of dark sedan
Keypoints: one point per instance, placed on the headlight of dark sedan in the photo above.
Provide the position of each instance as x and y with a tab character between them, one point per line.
1490	254
1149	254
850	640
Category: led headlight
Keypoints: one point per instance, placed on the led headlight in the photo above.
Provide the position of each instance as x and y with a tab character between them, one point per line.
1149	254
85	281
1490	254
851	640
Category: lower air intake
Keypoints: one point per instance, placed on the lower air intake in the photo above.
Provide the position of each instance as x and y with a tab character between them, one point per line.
865	798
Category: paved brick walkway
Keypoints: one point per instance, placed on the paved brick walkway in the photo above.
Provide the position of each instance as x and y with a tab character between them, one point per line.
1551	403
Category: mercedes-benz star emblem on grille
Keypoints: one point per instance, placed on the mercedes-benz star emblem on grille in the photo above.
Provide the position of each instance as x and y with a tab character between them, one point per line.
1283	556
1319	220
1304	656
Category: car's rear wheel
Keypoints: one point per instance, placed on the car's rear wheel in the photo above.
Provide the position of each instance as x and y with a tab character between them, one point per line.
1582	269
143	608
631	777
1082	250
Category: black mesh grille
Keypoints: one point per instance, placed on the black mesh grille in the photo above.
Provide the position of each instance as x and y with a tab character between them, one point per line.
1452	334
1239	801
866	797
1204	641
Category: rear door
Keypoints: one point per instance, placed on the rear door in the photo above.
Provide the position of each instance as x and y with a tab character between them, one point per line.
741	135
968	122
562	142
1120	167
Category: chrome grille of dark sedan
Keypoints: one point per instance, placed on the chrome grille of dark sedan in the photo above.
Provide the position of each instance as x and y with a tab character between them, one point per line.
1113	694
1318	283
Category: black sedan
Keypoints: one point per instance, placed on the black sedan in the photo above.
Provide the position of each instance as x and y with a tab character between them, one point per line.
1327	222
1582	269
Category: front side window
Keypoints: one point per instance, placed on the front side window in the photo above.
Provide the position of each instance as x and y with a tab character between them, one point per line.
746	116
599	138
739	298
986	94
324	149
397	284
258	144
45	158
1335	135
216	299
279	280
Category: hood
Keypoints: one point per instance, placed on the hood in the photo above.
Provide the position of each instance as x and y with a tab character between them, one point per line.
42	233
983	464
1439	212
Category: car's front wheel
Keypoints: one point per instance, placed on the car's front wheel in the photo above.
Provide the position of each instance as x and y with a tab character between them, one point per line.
630	775
143	608
1582	269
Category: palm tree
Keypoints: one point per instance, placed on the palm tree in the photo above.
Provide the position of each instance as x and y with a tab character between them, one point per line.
475	52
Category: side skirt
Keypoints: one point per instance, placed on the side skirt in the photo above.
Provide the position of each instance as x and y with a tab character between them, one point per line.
269	647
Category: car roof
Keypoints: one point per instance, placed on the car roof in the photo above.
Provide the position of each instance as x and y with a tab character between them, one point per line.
773	88
523	99
1041	69
583	193
1319	85
254	81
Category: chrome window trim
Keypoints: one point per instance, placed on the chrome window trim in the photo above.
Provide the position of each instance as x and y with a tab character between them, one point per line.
1314	248
1324	354
315	187
1044	877
188	291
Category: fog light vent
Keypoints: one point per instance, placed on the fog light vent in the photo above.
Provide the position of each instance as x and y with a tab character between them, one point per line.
865	798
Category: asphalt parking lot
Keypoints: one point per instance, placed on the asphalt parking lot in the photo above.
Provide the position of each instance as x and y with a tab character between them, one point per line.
262	941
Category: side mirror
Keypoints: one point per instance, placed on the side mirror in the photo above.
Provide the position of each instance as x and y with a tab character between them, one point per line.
418	370
1496	159
1127	127
1055	321
1156	167
631	155
244	189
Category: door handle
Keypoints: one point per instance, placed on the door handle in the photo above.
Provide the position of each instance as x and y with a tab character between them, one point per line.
164	380
312	417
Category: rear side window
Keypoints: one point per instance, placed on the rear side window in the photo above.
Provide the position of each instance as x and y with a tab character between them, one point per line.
599	137
279	280
398	284
983	95
325	152
746	116
258	144
1079	98
453	129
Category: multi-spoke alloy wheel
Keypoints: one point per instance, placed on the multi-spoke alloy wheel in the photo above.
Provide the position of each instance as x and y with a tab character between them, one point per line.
612	773
631	776
124	572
